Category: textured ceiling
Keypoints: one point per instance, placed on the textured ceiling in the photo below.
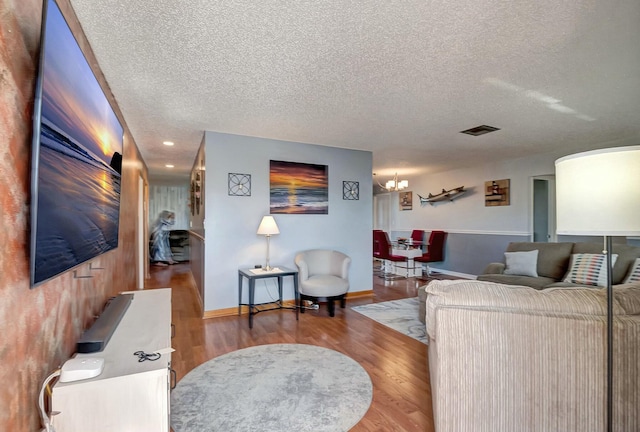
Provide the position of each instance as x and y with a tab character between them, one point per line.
399	78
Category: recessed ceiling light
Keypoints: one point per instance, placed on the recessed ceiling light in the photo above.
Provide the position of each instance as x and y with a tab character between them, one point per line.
480	130
167	143
169	166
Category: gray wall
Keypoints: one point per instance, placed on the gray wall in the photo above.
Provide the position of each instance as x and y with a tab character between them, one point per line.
469	254
231	222
478	234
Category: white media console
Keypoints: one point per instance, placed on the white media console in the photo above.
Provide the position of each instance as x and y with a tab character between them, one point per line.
129	395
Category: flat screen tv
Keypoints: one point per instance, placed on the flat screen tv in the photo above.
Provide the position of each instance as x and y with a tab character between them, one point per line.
76	157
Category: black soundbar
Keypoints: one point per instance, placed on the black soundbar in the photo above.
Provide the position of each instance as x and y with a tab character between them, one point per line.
95	339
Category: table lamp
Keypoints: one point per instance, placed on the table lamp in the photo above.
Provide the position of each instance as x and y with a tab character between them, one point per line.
268	227
598	194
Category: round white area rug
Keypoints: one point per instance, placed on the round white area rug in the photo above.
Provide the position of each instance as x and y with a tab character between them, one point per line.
278	387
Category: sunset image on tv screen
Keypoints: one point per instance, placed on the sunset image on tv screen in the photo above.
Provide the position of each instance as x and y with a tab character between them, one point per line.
79	158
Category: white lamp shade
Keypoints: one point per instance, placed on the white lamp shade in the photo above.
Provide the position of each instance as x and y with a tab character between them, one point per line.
598	192
268	226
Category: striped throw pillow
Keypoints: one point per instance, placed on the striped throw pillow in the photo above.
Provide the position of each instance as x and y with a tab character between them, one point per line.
634	273
589	269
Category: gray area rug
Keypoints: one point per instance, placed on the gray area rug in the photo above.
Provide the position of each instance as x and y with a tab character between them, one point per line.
400	315
278	387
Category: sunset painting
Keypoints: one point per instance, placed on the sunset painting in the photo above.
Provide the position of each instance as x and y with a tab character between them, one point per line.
299	188
78	158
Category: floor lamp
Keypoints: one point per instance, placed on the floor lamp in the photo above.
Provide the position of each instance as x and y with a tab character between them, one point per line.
598	194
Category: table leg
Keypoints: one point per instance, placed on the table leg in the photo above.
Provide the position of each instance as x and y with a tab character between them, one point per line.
296	296
239	294
252	286
280	278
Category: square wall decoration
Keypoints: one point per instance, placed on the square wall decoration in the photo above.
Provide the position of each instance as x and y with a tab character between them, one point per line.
496	193
406	200
350	190
239	184
298	188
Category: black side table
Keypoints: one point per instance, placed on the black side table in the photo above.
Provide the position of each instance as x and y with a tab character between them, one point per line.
252	275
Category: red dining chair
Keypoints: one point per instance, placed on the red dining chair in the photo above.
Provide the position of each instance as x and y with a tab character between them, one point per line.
435	249
383	245
376	254
417	237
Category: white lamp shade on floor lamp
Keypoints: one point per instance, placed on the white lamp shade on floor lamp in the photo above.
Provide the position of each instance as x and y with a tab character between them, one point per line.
267	228
598	194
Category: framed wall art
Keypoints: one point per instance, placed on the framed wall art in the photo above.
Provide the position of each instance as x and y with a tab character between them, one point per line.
298	188
496	193
350	190
406	200
239	184
198	191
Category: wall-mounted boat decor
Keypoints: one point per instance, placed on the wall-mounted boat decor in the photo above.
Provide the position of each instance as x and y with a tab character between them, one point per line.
445	195
496	193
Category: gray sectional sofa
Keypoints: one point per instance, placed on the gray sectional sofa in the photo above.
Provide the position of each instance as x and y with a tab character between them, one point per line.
515	358
553	263
527	351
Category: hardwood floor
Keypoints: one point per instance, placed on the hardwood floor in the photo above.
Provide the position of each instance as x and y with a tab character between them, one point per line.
397	364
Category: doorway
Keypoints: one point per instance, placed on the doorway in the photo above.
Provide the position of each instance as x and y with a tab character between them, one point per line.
543	213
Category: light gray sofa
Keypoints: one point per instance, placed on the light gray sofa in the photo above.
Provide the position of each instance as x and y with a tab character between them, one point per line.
514	358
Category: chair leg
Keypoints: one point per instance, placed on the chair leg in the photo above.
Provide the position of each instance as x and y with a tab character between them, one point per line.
343	301
332	307
302	299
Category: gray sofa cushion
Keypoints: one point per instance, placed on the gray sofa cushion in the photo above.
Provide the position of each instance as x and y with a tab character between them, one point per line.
521	263
553	258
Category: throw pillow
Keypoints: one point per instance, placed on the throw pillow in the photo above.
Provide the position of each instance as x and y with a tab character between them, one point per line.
589	269
521	263
634	273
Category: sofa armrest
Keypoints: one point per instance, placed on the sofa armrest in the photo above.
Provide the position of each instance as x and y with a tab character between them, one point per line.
513	299
494	268
483	294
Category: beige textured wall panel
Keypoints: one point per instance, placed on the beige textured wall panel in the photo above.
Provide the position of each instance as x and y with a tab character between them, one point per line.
39	327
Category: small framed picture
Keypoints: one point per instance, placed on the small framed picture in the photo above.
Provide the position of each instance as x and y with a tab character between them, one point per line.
350	190
496	193
406	200
239	184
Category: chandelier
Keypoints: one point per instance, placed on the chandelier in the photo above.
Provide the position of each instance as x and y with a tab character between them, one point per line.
394	185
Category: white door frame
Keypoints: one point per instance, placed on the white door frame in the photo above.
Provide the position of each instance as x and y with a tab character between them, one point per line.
141	235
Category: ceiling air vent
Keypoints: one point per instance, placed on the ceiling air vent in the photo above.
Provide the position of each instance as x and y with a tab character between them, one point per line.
480	130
